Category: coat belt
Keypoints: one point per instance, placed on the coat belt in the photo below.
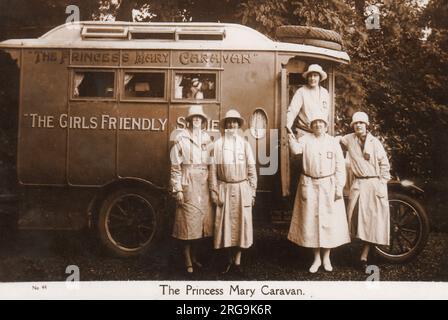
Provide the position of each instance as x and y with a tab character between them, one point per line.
367	177
233	182
317	178
196	166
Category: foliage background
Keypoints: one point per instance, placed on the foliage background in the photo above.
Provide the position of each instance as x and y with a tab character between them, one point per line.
398	73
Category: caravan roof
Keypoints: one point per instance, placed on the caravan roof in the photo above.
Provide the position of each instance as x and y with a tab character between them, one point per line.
175	36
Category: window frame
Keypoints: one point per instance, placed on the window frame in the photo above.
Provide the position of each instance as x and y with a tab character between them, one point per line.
217	98
84	70
122	86
104	32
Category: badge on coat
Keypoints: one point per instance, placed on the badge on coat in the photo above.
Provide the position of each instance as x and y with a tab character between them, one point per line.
329	155
204	147
241	156
366	156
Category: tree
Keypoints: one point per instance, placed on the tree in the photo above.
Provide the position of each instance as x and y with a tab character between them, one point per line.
32	18
173	10
402	92
435	80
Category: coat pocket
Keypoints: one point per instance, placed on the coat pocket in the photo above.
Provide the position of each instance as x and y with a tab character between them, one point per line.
354	190
187	193
185	181
186	186
381	190
221	194
304	190
246	195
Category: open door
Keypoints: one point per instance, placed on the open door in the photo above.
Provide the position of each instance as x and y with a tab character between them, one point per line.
284	144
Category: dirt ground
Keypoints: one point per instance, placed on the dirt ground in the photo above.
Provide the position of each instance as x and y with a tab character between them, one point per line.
45	255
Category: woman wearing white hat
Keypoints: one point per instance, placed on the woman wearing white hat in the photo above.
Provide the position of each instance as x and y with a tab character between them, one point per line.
308	100
190	157
196	89
368	209
319	220
234	185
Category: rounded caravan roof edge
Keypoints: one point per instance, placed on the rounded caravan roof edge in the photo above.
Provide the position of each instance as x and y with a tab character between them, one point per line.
48	33
237	37
339	56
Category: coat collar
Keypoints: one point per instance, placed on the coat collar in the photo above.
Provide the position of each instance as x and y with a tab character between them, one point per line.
367	144
187	134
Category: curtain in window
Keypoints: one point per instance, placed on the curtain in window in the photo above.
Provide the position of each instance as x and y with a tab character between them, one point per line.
178	88
79	77
127	79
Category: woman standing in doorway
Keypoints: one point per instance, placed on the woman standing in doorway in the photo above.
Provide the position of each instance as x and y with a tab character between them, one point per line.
309	99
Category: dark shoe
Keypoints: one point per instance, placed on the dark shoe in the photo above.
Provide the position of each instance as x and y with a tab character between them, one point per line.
238	270
362	265
228	268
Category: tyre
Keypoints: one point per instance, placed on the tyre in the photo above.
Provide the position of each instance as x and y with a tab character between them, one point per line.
409	229
129	222
310	36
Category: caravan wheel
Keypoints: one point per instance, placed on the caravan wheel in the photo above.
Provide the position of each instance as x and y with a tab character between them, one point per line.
129	222
409	229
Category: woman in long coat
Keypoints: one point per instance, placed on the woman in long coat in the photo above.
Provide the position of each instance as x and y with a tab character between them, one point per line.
368	209
319	220
190	159
234	184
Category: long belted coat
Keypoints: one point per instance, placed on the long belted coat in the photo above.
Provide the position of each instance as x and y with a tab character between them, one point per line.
318	221
235	181
368	209
190	160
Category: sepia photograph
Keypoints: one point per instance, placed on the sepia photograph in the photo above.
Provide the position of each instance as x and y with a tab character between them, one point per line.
229	149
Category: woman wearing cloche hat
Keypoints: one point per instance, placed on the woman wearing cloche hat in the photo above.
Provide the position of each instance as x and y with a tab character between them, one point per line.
234	185
368	208
319	220
194	216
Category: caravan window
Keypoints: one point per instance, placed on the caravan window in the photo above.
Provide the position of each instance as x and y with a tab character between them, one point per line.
144	85
93	84
195	86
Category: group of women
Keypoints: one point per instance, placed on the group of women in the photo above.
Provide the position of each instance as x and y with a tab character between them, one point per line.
222	173
214	184
320	220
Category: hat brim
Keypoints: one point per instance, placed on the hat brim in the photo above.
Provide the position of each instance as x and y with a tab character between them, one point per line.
240	120
197	115
353	122
323	74
326	121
